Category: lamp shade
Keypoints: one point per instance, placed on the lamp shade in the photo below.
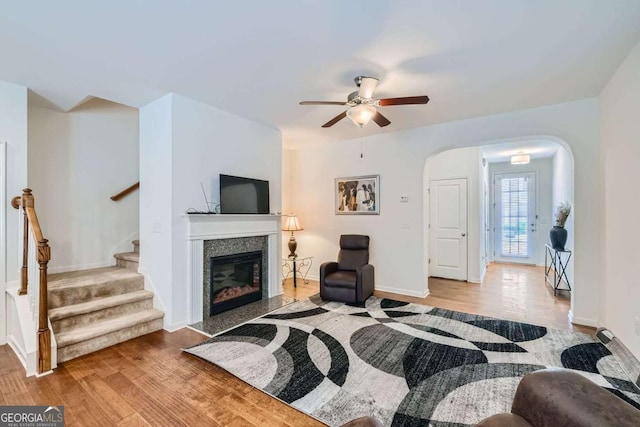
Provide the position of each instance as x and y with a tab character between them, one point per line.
520	159
291	223
361	114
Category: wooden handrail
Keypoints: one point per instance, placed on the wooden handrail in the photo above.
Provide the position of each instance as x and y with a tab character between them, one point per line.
43	255
126	192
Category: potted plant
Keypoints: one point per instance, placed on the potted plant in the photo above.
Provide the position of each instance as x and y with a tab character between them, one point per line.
558	234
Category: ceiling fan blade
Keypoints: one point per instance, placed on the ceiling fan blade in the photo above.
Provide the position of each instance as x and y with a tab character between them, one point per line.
380	120
367	86
322	103
335	120
404	101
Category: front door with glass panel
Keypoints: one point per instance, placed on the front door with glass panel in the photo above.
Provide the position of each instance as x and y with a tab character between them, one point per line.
515	217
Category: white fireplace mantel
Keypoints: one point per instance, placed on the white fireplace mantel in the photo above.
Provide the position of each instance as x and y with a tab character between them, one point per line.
201	227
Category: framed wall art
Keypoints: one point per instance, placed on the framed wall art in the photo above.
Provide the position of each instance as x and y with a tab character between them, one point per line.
357	195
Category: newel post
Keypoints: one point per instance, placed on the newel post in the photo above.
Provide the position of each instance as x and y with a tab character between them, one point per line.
44	334
25	200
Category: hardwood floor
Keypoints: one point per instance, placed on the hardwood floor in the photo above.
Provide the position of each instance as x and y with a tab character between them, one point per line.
509	291
150	381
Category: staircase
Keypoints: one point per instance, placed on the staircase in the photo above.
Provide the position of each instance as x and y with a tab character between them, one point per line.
93	309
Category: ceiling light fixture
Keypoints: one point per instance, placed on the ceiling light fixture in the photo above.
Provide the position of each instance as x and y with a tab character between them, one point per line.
361	114
520	159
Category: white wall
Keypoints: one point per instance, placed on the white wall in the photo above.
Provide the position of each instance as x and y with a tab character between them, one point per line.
543	169
287	203
485	218
77	161
620	139
13	131
563	192
462	163
155	201
399	253
194	143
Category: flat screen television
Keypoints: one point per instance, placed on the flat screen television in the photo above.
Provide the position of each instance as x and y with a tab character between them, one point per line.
243	195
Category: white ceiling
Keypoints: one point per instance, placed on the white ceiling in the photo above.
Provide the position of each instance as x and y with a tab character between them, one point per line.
258	59
537	149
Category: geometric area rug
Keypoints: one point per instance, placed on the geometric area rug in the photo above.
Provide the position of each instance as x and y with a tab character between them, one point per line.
404	364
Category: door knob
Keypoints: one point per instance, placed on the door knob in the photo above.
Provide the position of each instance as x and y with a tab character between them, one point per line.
464	234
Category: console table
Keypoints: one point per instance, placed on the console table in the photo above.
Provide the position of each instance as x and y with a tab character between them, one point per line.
557	261
295	265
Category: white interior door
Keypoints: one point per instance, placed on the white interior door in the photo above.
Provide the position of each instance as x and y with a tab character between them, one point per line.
515	217
448	228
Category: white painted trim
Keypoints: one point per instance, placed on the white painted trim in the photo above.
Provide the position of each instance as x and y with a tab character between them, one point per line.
24	342
474	280
214	227
483	273
19	351
126	245
175	326
157	301
3	242
195	273
582	321
401	291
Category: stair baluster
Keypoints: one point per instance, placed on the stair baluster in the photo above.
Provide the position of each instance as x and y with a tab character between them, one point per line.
35	258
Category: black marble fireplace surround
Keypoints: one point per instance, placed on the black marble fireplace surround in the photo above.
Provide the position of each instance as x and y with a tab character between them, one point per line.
224	248
235	280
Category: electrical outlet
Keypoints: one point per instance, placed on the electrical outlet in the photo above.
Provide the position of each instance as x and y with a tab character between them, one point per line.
636	324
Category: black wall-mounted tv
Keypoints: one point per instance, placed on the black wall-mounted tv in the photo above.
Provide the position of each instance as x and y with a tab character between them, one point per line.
243	195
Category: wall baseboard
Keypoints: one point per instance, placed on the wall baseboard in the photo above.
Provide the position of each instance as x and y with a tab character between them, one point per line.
175	326
20	352
582	321
401	291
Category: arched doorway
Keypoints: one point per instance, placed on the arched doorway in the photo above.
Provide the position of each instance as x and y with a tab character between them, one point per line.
460	245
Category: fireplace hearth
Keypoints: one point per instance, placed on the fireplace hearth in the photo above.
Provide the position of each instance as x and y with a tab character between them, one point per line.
235	280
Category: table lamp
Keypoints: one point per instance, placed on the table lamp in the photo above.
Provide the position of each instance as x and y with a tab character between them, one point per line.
292	224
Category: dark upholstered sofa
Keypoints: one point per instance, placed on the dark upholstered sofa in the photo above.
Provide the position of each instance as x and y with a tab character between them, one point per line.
559	397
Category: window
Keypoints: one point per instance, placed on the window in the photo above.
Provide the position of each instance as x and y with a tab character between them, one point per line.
514	198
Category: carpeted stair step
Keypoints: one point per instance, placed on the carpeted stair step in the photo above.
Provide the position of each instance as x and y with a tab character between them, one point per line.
83	286
63	318
136	246
85	339
128	260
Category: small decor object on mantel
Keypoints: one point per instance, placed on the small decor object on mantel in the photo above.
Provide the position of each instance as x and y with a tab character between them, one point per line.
359	195
558	234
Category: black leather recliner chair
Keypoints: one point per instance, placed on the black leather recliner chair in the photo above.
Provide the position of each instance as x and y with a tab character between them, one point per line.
350	279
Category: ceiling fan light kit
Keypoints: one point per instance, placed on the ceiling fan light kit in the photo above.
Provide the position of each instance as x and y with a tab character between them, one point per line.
361	114
362	107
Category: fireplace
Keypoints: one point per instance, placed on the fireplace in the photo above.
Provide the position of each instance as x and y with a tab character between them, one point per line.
235	280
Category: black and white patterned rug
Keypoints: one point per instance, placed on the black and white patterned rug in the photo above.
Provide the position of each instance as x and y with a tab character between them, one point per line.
404	364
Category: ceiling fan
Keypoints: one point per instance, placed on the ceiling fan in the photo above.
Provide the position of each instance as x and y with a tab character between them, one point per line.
362	107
